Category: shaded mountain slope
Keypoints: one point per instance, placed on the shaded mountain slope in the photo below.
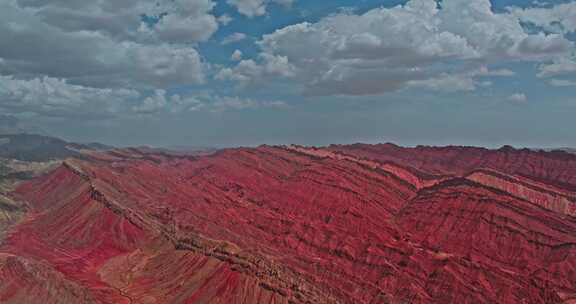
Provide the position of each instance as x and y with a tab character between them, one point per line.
25	156
299	225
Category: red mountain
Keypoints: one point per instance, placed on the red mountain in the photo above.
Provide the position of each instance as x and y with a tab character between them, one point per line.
341	224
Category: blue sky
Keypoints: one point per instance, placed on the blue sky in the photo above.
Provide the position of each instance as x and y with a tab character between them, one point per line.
306	72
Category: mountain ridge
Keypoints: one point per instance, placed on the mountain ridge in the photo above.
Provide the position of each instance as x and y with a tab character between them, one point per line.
301	225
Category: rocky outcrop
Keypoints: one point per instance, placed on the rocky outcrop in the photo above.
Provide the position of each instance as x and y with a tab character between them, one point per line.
547	196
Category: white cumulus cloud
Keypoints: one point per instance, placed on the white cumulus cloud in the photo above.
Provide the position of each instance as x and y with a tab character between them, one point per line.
388	49
253	8
184	21
558	18
232	38
557	67
518	98
56	97
562	83
162	101
236	56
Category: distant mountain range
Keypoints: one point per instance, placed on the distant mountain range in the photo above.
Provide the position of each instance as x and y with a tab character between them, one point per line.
40	148
569	150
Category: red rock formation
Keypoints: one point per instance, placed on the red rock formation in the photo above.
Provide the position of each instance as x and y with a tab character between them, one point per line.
344	224
549	167
497	230
547	196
